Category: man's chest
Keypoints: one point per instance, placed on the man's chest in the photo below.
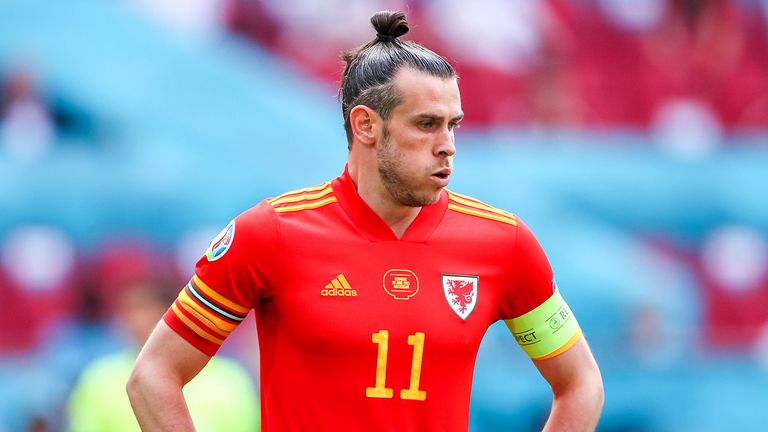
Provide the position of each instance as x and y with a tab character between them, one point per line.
339	292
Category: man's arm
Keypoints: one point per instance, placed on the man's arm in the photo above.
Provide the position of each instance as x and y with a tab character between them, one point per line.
165	364
577	387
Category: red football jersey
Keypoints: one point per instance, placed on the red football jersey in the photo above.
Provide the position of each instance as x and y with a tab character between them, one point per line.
360	330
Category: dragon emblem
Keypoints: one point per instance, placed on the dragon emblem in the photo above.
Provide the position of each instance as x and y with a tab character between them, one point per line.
461	293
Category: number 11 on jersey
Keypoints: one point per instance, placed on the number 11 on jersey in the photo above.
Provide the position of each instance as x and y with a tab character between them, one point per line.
381	338
380	391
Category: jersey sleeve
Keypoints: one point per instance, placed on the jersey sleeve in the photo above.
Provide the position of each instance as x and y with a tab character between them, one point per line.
229	280
534	309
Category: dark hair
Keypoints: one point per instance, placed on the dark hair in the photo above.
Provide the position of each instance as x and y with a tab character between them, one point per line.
369	70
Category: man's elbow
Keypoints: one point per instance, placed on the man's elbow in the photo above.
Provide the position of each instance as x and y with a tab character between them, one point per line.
591	387
137	382
597	391
133	384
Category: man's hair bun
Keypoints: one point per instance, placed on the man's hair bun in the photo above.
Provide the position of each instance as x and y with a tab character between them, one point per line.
370	69
389	24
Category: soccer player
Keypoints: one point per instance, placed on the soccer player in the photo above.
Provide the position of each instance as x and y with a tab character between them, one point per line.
372	291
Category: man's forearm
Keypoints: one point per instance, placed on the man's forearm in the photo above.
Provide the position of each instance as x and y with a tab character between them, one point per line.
576	410
158	402
165	364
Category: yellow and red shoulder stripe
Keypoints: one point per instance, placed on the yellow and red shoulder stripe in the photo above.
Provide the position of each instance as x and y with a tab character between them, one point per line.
471	206
304	199
206	312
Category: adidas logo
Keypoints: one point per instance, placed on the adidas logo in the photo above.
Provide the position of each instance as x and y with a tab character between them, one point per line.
339	287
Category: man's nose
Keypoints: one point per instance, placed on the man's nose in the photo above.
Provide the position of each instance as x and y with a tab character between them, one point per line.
446	145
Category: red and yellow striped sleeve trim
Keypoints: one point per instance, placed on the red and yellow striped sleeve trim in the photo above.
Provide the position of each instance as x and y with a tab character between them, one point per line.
218	297
197	310
473	207
304	199
203	316
195	327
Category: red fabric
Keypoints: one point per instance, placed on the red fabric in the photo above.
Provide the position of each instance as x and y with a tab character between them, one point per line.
317	352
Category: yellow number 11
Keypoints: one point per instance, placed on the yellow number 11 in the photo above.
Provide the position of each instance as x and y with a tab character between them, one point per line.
381	338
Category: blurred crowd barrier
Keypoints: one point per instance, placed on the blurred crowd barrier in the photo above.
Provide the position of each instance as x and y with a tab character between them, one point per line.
554	63
632	136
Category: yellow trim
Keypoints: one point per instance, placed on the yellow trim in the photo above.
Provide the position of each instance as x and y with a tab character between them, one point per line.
343	281
194	327
307	206
217	324
466	197
298	191
218	297
504	219
469	198
302	197
571	342
471	202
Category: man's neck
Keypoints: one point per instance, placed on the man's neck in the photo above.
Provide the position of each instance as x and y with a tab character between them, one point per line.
398	216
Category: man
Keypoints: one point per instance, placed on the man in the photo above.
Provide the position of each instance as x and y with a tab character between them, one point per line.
98	402
373	291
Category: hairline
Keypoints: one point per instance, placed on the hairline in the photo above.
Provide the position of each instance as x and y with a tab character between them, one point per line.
398	99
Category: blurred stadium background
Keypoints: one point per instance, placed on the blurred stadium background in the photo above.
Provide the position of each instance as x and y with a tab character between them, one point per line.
632	136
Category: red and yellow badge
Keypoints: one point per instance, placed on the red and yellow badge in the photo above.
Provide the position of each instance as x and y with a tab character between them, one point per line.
401	284
461	293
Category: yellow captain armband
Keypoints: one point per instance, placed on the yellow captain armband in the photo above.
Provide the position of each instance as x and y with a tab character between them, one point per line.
546	331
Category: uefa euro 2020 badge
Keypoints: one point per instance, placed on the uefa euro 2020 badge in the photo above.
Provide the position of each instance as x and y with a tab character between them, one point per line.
221	243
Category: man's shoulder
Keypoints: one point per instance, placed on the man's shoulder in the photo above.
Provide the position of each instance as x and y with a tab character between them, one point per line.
308	198
263	219
291	201
473	210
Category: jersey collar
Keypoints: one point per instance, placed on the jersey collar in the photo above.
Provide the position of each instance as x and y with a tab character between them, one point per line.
373	226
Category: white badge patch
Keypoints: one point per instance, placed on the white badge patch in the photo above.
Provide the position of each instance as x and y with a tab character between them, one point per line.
461	293
221	243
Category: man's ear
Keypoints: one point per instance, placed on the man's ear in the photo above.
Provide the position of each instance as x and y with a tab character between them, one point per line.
363	121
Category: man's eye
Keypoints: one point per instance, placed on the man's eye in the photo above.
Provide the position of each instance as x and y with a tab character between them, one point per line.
453	126
426	125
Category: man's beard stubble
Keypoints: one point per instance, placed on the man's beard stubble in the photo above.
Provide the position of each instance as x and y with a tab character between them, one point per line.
394	177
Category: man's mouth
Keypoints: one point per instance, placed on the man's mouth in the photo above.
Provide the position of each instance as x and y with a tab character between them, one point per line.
442	176
443	173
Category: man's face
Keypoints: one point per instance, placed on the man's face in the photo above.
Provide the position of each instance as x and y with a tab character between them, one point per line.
415	152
